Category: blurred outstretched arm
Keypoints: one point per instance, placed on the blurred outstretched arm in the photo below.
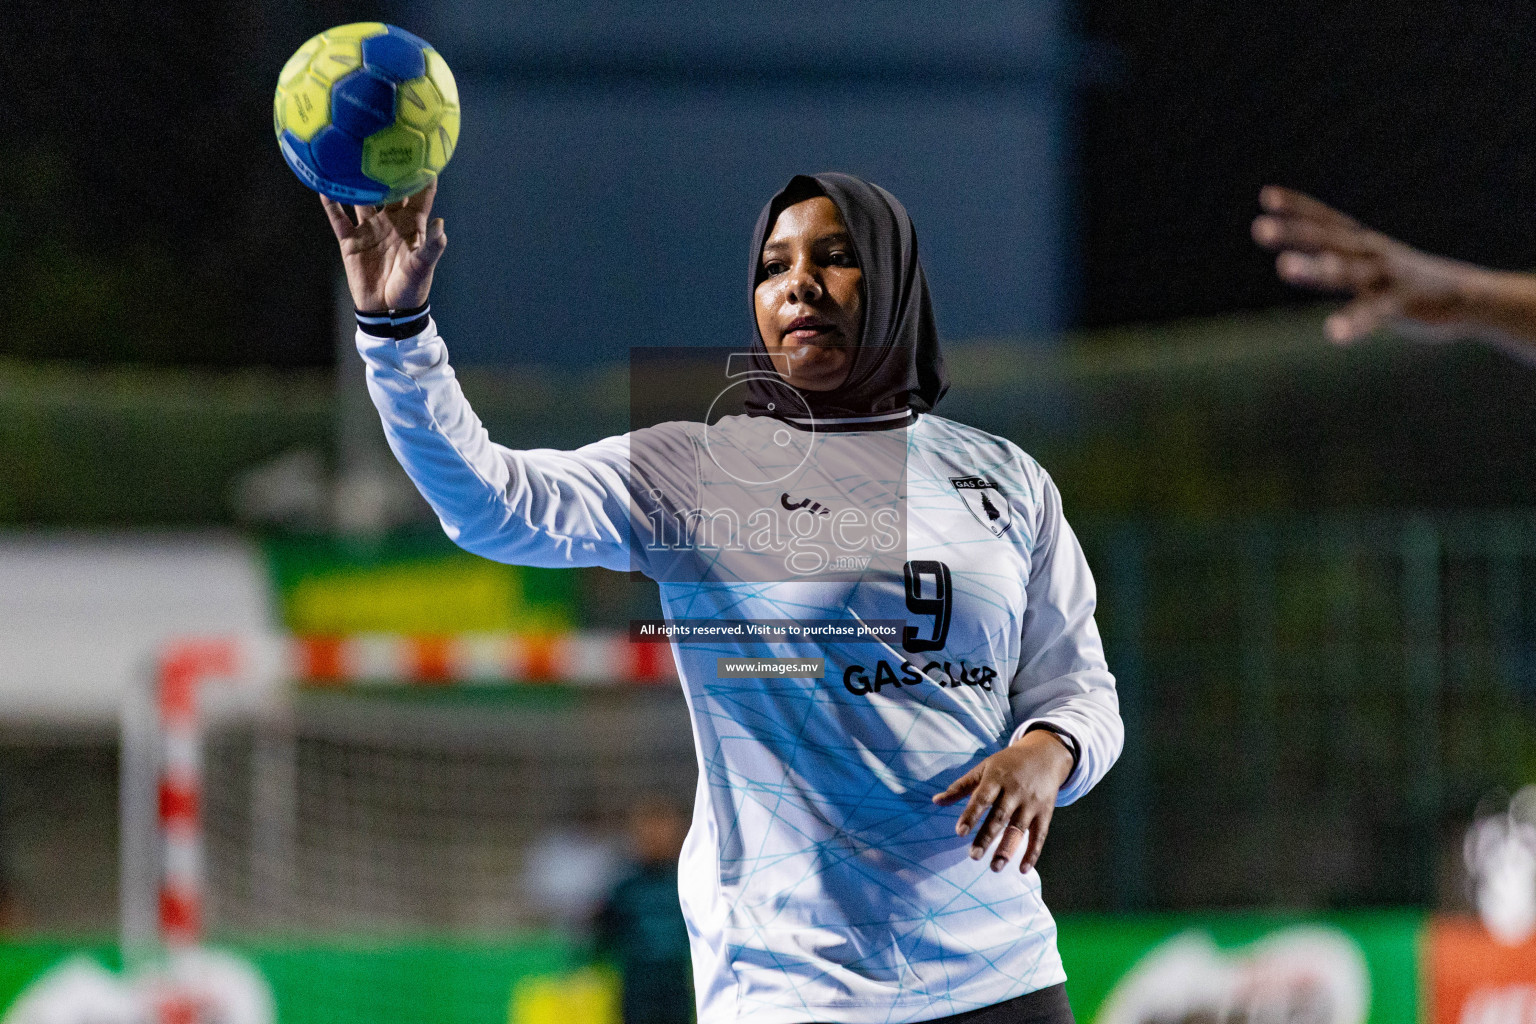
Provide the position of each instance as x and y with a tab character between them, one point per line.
1389	282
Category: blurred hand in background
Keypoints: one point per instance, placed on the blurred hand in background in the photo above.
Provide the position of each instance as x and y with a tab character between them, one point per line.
1427	296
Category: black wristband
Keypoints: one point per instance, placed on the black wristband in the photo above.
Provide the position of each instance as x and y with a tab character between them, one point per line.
1067	739
394	323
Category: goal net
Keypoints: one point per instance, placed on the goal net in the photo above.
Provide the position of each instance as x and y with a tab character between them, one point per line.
397	829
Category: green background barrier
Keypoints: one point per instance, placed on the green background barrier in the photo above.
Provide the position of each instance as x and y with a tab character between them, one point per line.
428	982
548	980
1098	951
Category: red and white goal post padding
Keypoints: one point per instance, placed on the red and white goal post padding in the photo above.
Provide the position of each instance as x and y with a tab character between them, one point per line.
162	857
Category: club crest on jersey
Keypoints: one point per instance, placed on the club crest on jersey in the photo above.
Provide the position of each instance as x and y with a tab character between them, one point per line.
986	502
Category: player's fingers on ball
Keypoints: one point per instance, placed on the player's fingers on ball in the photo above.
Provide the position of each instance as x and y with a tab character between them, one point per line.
340	223
437	236
407	218
429	235
423	196
413	210
428	248
422	200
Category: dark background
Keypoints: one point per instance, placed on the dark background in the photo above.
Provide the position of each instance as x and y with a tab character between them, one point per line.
1413	117
165	233
144	221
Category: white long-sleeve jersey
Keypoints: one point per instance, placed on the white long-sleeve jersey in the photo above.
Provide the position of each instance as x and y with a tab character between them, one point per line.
819	881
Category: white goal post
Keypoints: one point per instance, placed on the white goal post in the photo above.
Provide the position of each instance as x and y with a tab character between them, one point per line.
430	759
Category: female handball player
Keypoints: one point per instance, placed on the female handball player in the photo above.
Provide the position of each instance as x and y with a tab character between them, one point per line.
823	878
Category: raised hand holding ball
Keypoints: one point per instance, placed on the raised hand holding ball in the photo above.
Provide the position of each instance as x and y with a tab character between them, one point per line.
389	252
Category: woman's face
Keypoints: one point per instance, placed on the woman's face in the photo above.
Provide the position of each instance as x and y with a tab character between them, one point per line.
810	304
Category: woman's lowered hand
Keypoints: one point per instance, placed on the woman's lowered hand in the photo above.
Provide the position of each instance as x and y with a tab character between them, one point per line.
1016	790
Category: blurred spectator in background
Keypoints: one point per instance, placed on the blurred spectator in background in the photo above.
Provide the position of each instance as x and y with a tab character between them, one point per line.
640	926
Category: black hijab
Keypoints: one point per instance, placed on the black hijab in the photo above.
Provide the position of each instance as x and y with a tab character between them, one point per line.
897	364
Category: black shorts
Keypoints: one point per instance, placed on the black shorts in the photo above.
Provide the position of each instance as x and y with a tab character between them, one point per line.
1047	1006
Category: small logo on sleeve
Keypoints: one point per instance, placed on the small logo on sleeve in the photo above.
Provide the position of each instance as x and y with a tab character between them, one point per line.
986	502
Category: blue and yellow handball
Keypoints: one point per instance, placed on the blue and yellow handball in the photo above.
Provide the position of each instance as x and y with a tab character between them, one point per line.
366	113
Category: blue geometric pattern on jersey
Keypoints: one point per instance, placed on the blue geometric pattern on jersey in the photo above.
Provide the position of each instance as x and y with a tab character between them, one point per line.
842	882
362	103
394	56
819	881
